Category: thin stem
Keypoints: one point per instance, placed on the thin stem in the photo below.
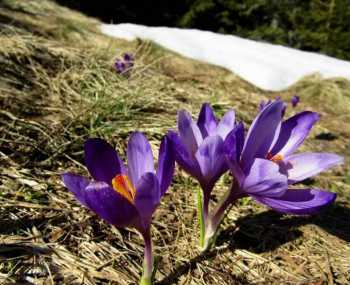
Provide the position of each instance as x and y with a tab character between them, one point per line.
203	199
206	199
148	261
201	218
231	196
215	219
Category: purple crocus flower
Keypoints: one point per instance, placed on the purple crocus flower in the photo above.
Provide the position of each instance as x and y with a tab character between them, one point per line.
266	165
199	145
124	65
199	149
124	197
295	100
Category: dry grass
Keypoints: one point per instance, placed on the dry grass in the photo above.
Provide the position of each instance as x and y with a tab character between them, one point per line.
57	88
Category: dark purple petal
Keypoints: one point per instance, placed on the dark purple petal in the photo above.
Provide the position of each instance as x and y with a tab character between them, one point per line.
261	134
147	196
293	132
120	66
206	120
102	160
166	164
265	180
230	145
190	134
76	184
233	145
226	124
211	159
304	165
140	158
110	205
128	57
276	136
239	130
234	142
295	100
182	157
299	201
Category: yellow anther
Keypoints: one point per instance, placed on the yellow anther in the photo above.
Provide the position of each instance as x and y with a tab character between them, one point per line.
275	158
122	184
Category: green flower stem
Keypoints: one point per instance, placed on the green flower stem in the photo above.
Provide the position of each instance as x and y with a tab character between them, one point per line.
201	217
147	275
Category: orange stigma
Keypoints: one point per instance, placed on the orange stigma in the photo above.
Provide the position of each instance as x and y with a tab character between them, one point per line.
122	184
275	158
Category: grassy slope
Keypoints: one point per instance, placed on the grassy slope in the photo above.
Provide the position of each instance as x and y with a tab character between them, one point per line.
57	88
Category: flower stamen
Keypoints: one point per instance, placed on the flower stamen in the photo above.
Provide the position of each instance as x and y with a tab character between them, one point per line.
275	158
122	184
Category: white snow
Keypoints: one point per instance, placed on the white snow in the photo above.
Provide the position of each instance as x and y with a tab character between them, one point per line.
268	66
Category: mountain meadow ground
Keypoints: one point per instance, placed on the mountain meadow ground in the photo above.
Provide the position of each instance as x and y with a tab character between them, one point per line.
58	87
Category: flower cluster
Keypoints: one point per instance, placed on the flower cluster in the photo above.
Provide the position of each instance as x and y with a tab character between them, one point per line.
125	64
263	164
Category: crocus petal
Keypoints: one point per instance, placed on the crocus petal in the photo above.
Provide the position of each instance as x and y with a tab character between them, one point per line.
211	159
236	169
76	184
304	165
265	180
293	132
189	132
128	57
226	124
239	130
233	145
166	164
110	205
140	158
234	142
206	120
182	157
299	201
261	134
230	146
147	196
102	160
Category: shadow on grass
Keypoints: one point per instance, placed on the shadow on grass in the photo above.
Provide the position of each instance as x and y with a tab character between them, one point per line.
13	226
10	251
265	232
268	230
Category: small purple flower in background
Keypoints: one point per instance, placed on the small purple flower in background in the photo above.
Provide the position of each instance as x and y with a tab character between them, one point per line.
125	198
125	64
295	100
128	57
199	150
263	104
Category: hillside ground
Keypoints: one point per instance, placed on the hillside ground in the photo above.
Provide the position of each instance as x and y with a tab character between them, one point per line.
58	87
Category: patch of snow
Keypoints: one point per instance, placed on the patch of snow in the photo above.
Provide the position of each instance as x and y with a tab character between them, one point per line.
267	66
